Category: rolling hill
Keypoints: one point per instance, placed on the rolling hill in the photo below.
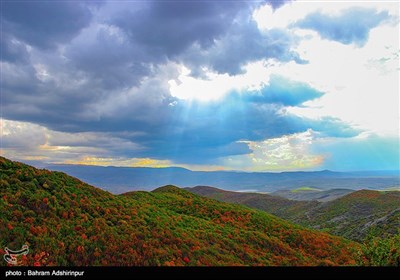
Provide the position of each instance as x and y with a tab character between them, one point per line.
65	221
355	216
281	207
359	214
306	193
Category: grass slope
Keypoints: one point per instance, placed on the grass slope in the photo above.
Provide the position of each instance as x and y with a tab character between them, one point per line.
67	222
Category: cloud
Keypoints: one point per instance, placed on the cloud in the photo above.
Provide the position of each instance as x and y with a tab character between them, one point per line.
13	50
44	24
333	127
185	131
105	54
179	82
285	92
200	131
109	161
310	150
351	26
36	144
367	101
165	29
369	152
129	42
285	16
111	69
242	44
289	152
278	3
24	140
21	136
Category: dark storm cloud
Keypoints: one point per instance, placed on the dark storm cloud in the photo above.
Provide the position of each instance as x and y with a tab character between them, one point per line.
106	55
29	96
108	73
44	23
133	40
219	35
243	43
167	28
12	50
72	102
104	60
351	26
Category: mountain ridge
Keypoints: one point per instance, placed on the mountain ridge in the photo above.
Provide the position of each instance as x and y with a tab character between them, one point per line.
123	179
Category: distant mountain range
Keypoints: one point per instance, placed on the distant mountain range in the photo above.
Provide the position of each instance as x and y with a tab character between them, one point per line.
123	179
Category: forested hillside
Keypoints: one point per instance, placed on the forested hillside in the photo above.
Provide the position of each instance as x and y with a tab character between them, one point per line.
67	222
357	216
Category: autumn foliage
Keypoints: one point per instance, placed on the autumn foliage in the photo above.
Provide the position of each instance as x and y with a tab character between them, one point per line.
67	222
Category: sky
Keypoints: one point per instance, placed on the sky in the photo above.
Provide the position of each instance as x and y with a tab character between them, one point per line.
205	85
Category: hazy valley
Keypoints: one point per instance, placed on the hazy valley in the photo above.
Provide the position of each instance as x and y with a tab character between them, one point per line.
123	179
